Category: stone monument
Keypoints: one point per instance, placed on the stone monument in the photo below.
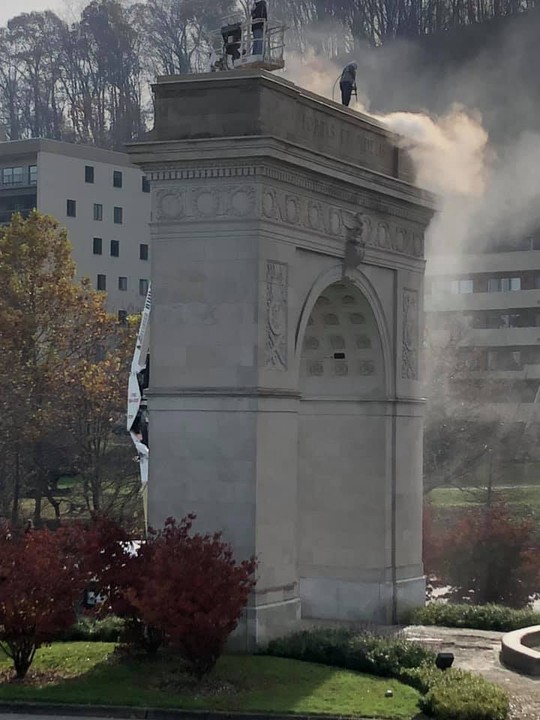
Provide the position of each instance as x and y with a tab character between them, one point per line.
285	402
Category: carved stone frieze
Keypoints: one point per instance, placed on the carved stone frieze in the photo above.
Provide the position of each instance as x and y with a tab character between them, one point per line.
357	230
380	204
410	339
276	315
233	201
205	202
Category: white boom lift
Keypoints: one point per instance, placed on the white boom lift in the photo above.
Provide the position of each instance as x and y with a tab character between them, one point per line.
235	46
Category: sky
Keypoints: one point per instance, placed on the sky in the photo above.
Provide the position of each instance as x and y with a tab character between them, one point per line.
9	9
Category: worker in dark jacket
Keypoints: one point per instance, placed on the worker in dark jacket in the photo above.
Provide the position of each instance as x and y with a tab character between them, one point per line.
259	16
347	83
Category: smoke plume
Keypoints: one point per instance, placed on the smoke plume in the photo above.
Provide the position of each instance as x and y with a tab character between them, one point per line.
449	153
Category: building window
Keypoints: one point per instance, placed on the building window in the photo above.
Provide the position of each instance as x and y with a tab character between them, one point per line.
32	174
89	173
461	287
117	179
505	284
101	282
503	359
18	176
115	248
71	208
7	176
510	320
98	211
143	251
143	287
122	283
118	215
145	184
98	246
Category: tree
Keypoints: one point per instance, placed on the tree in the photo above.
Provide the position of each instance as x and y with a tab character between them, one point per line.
41	582
66	361
456	438
194	591
488	557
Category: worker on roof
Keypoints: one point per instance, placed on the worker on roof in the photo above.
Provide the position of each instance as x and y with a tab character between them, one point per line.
347	83
259	16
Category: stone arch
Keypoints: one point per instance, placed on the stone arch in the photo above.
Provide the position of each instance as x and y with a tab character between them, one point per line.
344	365
373	310
341	352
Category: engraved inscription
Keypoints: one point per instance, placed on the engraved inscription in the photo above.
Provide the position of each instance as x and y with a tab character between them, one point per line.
409	345
276	315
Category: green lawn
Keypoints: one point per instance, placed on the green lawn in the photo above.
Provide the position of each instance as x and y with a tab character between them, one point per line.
239	683
468	497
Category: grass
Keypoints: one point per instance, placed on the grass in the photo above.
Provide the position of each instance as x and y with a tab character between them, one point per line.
469	497
88	673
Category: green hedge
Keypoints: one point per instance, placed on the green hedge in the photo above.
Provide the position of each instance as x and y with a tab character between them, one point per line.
91	630
450	695
479	617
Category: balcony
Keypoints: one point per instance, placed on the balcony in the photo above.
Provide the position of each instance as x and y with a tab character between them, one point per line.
516	261
446	302
501	337
15	181
6	215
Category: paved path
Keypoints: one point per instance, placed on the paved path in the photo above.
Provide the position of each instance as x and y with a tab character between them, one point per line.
478	651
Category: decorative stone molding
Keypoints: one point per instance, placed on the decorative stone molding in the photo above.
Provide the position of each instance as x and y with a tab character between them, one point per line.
205	202
409	345
345	193
276	315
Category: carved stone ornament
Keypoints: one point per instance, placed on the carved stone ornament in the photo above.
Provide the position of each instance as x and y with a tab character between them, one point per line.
409	345
182	202
276	315
184	197
356	226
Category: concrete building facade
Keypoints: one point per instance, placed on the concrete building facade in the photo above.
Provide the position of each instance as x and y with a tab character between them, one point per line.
285	397
102	200
497	294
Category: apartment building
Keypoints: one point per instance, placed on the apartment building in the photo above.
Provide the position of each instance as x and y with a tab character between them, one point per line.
102	200
498	293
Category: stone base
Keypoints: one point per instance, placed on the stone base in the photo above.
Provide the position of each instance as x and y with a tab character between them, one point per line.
261	623
334	599
411	593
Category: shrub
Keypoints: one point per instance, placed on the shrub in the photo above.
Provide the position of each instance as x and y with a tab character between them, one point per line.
193	592
479	617
90	629
489	557
450	695
459	695
348	649
41	582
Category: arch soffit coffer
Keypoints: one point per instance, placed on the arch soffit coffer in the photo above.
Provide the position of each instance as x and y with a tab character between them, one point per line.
359	280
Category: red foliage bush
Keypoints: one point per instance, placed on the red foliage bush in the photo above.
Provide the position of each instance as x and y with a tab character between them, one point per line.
41	582
489	556
194	591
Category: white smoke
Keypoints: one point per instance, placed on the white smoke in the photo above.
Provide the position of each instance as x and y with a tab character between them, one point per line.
449	153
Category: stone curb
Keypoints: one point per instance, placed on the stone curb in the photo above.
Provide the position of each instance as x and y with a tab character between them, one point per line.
141	713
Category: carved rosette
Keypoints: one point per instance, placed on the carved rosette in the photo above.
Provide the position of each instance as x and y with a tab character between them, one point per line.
181	202
276	315
409	345
231	194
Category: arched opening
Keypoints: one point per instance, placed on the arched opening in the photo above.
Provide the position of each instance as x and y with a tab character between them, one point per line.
342	458
341	352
